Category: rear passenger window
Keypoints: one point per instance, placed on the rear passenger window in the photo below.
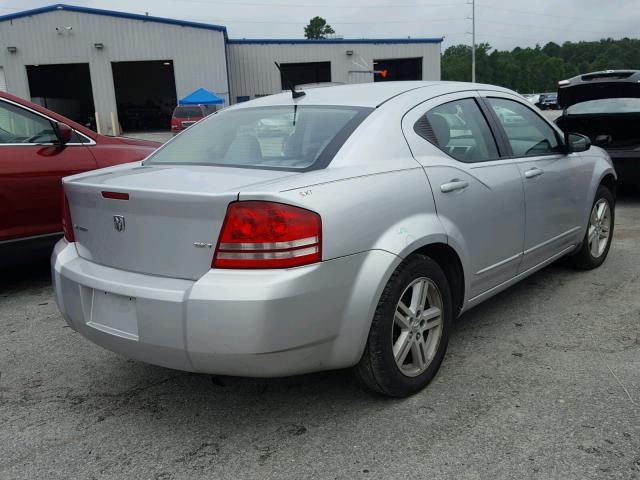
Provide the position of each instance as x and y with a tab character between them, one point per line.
527	133
460	129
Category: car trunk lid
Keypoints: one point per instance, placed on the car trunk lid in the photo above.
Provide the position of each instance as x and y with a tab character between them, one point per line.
156	220
599	85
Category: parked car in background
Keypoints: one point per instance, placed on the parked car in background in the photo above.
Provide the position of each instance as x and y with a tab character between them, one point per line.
533	98
605	106
37	148
548	102
540	98
390	209
186	115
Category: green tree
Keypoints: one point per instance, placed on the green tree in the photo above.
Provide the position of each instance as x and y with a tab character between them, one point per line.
318	28
538	69
456	63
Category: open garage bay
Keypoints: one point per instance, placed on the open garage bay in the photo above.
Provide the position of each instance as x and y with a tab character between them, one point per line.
145	94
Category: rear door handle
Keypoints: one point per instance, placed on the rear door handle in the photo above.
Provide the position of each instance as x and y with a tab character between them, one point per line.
533	172
455	184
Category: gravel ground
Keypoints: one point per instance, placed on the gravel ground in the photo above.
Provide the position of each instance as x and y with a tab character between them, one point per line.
542	381
551	114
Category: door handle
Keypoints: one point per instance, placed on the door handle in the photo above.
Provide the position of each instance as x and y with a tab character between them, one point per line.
533	172
455	184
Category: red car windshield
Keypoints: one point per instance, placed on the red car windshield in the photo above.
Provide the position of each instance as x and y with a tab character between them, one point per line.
186	112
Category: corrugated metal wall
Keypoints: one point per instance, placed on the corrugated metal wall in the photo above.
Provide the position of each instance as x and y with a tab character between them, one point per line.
253	73
198	54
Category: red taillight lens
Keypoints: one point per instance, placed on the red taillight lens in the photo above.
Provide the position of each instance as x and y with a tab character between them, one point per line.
67	225
257	234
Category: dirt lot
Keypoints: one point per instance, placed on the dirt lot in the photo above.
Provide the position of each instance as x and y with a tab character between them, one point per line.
542	381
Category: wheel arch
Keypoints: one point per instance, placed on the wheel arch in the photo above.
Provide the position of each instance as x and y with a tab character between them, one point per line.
449	260
610	182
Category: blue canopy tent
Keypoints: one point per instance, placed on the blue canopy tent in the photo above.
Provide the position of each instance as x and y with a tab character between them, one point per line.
201	96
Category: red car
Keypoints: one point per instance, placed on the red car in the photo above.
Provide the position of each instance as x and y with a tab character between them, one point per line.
37	148
186	115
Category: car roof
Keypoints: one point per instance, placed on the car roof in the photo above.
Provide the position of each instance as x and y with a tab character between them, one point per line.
364	94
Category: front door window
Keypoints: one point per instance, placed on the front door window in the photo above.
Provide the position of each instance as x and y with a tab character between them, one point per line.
18	125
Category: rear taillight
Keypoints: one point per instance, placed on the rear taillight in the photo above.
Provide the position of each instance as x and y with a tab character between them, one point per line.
67	225
257	234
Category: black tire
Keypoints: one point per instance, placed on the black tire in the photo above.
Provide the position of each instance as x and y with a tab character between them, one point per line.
583	259
377	369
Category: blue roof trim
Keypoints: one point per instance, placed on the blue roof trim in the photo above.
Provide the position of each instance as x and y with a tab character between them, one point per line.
219	28
113	13
268	41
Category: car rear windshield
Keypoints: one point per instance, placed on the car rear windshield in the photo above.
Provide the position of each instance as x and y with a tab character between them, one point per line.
287	137
606	105
186	112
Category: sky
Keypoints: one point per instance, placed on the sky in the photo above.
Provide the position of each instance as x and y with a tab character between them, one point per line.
504	24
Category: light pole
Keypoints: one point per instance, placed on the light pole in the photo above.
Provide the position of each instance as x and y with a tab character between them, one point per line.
473	40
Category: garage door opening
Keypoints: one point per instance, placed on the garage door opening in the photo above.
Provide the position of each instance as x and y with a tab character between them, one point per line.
307	72
63	88
145	94
398	69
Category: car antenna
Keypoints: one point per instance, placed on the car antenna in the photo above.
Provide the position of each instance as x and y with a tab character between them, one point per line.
294	93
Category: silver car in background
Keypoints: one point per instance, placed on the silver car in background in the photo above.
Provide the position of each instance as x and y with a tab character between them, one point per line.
344	228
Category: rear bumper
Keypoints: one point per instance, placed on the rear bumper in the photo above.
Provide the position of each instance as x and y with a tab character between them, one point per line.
231	322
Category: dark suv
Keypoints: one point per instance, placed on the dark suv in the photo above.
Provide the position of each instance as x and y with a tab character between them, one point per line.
549	101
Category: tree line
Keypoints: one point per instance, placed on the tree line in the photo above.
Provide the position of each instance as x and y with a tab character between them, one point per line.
538	69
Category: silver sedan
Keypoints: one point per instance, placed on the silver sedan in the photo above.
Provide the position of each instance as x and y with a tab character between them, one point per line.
352	235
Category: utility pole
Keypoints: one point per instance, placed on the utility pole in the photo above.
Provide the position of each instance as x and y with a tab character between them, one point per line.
473	40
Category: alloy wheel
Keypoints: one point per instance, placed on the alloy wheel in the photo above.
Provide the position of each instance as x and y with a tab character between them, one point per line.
599	228
417	327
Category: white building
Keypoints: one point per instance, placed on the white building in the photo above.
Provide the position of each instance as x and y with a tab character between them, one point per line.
253	73
83	62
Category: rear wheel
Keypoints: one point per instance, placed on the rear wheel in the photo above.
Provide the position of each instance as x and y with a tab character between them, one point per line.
410	330
597	239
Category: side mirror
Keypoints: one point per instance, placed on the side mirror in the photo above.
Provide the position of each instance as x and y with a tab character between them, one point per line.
575	142
64	133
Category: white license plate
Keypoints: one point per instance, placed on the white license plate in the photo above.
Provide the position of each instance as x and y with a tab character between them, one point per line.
114	314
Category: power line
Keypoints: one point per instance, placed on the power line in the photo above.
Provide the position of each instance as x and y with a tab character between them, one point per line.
303	5
508	36
362	22
529	12
325	5
535	26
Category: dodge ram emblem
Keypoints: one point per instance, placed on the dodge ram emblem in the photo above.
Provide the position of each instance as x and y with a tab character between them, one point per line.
118	223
